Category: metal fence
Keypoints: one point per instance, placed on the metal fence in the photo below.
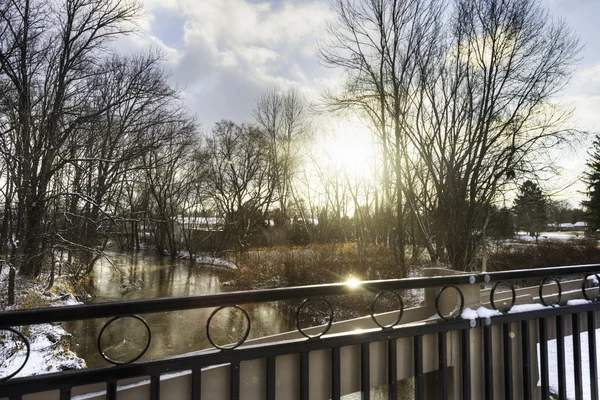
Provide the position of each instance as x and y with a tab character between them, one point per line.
449	355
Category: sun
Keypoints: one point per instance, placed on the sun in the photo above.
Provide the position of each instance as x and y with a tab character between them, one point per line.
349	147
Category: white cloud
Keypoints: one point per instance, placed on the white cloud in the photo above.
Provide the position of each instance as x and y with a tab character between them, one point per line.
226	53
585	111
237	22
589	74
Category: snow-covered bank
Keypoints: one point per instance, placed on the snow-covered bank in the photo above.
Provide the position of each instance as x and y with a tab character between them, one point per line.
209	260
50	351
49	343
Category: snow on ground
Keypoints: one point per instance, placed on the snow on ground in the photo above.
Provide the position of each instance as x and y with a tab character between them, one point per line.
216	262
208	260
49	352
49	343
549	236
569	365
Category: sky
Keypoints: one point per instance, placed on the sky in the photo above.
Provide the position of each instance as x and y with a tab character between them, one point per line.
223	54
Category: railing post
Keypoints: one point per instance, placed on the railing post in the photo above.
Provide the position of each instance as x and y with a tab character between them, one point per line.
449	301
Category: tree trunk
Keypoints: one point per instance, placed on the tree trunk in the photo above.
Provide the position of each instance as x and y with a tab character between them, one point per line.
11	285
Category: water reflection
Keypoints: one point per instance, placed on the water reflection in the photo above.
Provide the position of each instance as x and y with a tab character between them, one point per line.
141	276
124	339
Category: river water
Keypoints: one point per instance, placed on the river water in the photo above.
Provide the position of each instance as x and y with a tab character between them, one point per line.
134	276
142	276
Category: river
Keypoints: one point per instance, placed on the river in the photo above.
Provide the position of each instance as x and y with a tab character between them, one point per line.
135	276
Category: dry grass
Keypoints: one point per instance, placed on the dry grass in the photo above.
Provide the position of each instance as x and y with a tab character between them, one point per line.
311	265
33	299
543	254
319	264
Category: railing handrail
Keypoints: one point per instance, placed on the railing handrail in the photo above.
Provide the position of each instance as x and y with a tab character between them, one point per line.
542	272
125	308
147	306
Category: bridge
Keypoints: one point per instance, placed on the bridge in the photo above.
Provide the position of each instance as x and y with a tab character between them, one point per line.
475	336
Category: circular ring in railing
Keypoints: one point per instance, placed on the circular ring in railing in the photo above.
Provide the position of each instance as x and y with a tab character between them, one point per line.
583	287
329	322
24	339
115	362
548	279
400	311
239	342
493	292
460	309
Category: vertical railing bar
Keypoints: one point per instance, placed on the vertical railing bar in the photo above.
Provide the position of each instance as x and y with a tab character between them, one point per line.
466	363
65	393
442	366
527	388
234	383
111	390
154	387
508	370
560	350
418	367
575	323
487	364
196	383
392	370
365	371
304	377
593	360
335	374
543	326
271	378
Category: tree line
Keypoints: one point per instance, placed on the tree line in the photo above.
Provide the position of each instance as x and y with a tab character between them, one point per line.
460	93
97	146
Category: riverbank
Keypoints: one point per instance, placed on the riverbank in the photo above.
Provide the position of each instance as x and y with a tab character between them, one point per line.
50	344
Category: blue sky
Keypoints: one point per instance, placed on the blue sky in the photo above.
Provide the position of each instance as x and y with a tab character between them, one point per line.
225	53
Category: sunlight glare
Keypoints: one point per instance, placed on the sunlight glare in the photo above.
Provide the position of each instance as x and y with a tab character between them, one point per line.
352	283
350	148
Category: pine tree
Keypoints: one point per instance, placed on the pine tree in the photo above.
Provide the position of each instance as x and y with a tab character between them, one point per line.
531	208
592	180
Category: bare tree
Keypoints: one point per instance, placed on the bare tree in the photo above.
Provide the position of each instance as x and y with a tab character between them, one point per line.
460	111
47	58
379	44
282	116
240	177
171	182
483	114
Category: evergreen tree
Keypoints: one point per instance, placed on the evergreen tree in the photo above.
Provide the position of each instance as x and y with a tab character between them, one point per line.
592	180
531	208
502	223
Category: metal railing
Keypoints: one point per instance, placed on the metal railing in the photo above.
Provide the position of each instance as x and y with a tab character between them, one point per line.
445	365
